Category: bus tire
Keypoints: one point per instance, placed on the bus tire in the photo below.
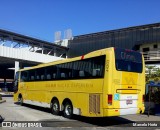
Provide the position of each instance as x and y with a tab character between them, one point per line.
20	100
55	107
68	110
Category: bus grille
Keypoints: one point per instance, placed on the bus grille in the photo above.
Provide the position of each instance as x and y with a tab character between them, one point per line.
94	103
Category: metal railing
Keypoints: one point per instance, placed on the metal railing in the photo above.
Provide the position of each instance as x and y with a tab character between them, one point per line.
20	54
151	55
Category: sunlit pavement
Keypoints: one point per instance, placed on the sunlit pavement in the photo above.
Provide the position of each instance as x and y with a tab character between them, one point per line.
13	112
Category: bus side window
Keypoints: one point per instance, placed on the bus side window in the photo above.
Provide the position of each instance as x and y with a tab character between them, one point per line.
40	72
98	66
65	70
54	75
48	76
69	74
81	74
32	77
63	75
51	72
42	77
24	76
37	77
94	73
75	73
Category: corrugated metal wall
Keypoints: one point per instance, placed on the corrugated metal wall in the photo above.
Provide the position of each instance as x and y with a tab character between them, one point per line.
129	38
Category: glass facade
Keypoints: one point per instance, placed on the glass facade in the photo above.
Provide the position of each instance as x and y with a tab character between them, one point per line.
129	38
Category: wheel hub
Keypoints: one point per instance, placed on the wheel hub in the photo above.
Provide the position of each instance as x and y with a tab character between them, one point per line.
68	110
55	107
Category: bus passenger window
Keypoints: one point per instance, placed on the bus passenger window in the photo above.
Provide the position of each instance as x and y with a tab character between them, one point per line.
24	76
96	72
32	77
42	77
81	74
54	75
70	75
48	76
37	77
39	73
98	66
63	75
51	72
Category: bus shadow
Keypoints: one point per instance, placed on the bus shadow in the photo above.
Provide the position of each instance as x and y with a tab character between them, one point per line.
104	121
34	107
80	121
1	119
84	121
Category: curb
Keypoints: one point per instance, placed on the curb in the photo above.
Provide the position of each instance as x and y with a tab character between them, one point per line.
2	101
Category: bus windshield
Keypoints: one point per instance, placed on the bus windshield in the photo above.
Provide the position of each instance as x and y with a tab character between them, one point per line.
16	82
127	60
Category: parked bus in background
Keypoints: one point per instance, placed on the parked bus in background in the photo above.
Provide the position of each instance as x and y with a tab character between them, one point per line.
107	82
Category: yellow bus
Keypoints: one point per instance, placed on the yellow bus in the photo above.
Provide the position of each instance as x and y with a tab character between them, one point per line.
106	82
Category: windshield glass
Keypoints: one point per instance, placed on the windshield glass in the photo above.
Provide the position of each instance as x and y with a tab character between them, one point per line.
15	88
127	60
17	76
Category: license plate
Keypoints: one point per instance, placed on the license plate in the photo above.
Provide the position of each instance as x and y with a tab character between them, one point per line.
129	102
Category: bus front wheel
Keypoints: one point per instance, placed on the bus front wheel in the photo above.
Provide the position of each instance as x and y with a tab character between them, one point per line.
68	110
55	107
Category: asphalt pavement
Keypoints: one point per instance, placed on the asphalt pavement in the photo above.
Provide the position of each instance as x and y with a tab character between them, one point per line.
9	111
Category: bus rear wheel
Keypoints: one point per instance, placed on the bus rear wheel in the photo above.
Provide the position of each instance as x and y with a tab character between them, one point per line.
68	110
55	107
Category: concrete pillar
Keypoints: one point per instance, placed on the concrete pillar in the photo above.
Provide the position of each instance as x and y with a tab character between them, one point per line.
16	67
